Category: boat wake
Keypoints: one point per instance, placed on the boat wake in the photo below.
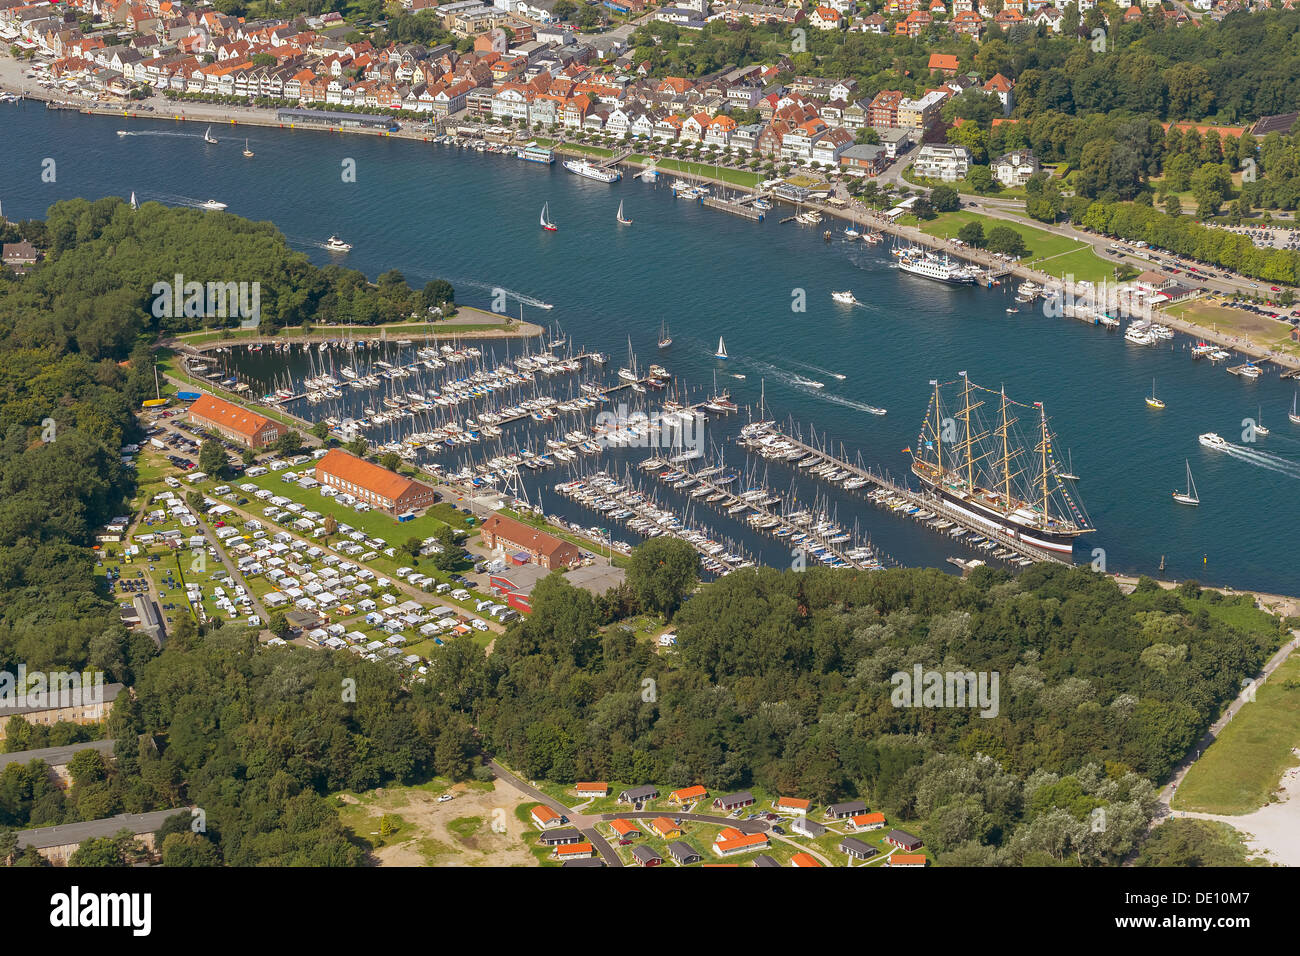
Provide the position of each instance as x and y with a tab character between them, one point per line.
811	387
160	132
1264	459
824	371
510	293
178	200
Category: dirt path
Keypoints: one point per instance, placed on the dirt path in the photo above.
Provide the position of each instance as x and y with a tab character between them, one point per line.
476	828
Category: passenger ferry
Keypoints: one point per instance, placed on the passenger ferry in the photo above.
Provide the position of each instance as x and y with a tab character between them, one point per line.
921	262
587	170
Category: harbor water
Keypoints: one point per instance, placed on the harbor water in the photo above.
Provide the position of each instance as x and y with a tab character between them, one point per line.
432	211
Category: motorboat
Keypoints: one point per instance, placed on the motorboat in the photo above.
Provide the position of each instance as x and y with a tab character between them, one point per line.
212	205
335	244
846	297
1212	440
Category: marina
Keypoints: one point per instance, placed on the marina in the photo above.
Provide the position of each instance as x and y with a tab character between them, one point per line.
889	345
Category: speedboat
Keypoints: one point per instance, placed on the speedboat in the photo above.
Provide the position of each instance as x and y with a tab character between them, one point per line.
1212	440
1012	311
212	204
335	244
844	297
121	132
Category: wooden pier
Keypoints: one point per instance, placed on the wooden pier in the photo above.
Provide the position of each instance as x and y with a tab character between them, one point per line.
733	207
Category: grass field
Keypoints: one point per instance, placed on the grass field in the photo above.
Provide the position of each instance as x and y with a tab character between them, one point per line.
1056	255
1242	768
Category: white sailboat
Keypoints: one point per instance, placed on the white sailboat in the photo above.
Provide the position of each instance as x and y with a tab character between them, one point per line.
247	152
546	222
623	220
1188	497
1294	415
722	350
208	137
134	205
665	337
1069	475
1259	422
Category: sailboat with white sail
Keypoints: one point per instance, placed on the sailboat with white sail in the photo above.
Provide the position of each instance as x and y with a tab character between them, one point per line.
1294	415
1151	399
208	137
1259	422
546	221
665	337
623	220
248	153
721	353
1188	497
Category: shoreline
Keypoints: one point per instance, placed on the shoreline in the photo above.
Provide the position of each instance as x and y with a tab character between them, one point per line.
265	118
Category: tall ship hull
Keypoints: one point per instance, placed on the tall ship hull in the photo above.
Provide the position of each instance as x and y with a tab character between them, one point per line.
992	519
589	171
998	479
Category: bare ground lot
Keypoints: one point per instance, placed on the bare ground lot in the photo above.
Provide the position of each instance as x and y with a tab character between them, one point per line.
479	827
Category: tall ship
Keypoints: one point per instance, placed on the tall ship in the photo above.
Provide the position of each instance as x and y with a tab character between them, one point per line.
994	474
941	268
591	171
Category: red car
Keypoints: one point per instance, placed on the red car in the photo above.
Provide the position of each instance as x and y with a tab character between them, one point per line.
220	524
1274	288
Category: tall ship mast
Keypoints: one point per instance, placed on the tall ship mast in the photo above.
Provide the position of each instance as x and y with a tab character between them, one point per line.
971	454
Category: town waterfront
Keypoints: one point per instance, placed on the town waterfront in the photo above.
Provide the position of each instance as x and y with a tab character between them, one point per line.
429	212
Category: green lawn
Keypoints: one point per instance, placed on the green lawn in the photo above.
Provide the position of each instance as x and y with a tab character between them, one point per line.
1056	255
1242	767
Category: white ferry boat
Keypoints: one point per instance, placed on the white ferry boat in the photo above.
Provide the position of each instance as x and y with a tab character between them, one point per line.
941	268
587	170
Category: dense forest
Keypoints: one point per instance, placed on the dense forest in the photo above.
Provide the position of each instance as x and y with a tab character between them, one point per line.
75	304
783	681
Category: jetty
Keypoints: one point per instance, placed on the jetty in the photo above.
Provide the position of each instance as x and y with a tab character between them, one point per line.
780	445
735	207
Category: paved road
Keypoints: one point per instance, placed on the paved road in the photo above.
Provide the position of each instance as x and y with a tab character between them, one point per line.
582	822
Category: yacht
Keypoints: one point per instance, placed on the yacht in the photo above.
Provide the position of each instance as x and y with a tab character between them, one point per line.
248	153
1138	335
1151	399
721	353
850	233
845	297
1212	440
665	337
212	205
1259	422
335	244
208	137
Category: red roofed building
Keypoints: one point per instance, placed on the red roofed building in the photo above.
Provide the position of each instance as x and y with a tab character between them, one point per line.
688	795
235	422
804	859
543	549
376	486
945	63
741	843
